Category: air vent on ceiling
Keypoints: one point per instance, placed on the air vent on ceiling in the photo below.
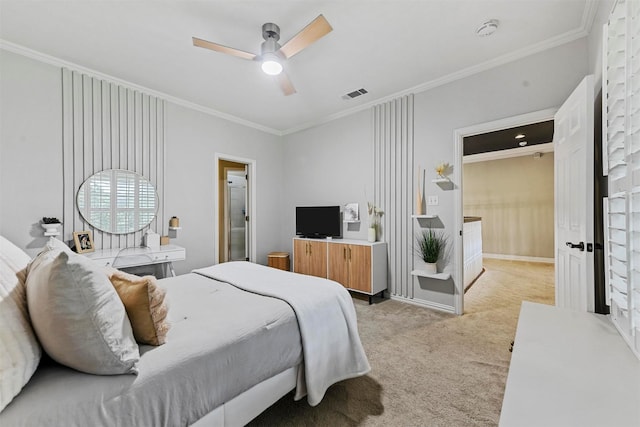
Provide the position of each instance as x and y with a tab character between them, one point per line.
354	94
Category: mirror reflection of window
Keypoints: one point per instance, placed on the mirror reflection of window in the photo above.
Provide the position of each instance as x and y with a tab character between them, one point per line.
117	201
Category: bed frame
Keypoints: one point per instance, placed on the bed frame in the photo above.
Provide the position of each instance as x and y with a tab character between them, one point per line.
243	408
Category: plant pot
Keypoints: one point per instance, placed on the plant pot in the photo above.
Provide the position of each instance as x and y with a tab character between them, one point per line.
371	235
430	268
52	229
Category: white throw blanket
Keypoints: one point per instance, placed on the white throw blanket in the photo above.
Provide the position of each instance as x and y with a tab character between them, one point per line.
326	318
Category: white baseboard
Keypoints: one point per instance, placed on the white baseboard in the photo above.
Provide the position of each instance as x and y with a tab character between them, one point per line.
427	304
519	258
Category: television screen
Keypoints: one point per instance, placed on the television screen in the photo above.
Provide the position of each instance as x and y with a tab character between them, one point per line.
318	221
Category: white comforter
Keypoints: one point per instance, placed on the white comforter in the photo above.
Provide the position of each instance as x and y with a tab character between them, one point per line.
326	319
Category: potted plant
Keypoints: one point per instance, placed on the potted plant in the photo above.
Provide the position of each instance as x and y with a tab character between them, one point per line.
431	247
51	226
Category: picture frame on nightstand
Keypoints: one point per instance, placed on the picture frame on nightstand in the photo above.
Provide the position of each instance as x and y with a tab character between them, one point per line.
83	241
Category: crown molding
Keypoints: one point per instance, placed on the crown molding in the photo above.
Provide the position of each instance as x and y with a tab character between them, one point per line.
587	20
52	60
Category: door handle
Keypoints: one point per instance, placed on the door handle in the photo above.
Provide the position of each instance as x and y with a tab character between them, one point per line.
578	246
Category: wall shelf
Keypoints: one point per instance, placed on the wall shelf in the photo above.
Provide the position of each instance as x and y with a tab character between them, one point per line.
175	228
441	180
437	276
424	216
444	183
352	222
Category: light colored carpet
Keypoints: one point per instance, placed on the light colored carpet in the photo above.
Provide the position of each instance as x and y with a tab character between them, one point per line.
430	368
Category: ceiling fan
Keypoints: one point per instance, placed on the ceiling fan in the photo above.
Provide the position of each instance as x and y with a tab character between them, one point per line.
272	55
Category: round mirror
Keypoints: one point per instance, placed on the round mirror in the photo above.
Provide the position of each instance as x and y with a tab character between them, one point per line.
117	201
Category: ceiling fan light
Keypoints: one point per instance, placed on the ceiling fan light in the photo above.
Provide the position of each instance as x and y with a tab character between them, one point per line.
273	68
271	64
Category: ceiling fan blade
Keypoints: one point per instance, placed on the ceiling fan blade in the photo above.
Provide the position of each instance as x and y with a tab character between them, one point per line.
317	29
224	49
285	84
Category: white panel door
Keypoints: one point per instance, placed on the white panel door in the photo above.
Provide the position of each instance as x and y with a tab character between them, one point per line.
573	145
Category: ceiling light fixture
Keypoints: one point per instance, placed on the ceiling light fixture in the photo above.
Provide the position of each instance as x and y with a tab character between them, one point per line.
488	28
522	143
271	64
520	136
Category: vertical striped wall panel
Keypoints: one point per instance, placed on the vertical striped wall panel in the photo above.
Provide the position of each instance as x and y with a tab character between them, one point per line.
107	126
393	187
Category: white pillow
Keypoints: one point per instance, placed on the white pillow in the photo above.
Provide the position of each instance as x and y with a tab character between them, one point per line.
19	349
78	316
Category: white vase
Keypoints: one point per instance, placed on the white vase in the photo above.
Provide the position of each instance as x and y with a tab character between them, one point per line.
371	235
430	268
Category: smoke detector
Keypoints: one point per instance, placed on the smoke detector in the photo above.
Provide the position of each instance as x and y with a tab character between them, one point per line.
488	28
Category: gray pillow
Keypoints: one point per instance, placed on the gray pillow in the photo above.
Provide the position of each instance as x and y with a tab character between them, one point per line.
78	316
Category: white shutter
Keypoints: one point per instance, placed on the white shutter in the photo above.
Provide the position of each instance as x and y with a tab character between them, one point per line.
621	98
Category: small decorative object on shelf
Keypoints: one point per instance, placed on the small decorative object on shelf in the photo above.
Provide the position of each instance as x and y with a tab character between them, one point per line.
51	226
431	247
174	223
374	221
151	239
442	170
351	213
420	192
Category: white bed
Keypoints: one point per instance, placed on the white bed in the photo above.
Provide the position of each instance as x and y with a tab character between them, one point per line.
230	354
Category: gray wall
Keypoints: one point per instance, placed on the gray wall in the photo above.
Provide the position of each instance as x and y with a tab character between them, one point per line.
30	149
31	177
330	164
333	162
193	139
537	82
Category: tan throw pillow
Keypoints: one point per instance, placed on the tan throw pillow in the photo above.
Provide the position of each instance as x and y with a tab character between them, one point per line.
144	301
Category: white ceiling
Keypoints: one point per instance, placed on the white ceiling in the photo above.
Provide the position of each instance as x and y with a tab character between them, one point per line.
387	47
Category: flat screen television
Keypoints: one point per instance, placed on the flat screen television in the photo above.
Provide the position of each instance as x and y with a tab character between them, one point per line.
318	221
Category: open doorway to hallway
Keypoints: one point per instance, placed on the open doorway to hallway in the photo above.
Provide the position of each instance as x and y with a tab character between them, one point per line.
506	195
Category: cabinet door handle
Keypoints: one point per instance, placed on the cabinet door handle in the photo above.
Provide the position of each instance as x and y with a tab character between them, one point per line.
344	253
349	254
309	249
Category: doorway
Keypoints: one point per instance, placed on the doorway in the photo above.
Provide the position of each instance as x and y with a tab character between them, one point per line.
235	214
458	177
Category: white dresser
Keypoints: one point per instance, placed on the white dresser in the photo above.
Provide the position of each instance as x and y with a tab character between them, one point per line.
139	256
